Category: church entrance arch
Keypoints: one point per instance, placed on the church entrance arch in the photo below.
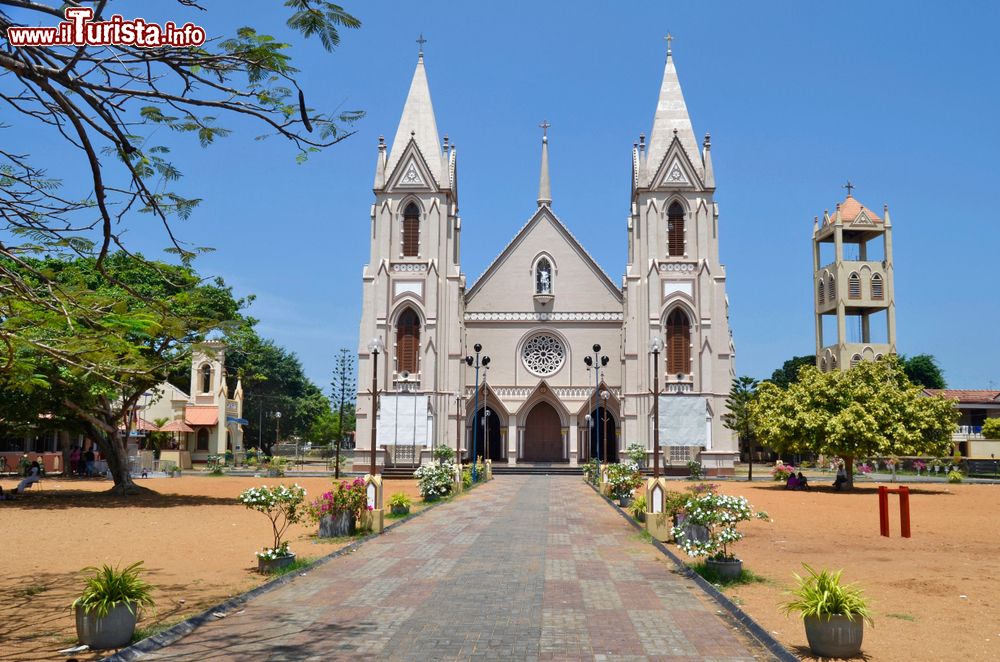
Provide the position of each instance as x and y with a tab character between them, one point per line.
490	446
598	418
543	434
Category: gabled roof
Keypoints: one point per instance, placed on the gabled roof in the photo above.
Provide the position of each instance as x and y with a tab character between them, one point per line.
543	211
970	396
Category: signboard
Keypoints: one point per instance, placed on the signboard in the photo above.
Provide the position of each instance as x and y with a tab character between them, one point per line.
684	421
403	420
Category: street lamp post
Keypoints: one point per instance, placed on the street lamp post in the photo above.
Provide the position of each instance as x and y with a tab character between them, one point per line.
277	428
655	345
477	363
458	427
588	418
374	346
604	413
597	362
486	433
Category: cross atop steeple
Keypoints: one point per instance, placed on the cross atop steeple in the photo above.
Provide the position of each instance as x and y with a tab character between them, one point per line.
544	126
848	186
669	38
421	41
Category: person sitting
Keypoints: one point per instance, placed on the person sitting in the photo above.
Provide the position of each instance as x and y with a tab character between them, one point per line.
841	478
803	482
792	483
34	475
5	496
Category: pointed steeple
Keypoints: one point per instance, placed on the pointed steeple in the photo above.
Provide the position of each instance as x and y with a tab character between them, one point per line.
671	116
706	158
418	122
544	187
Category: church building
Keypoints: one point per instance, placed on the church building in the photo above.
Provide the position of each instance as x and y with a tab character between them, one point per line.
541	308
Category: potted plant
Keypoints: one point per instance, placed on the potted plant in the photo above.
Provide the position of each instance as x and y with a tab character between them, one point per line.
399	504
834	613
781	472
108	607
435	479
339	510
590	471
283	507
720	514
636	453
444	454
638	508
623	478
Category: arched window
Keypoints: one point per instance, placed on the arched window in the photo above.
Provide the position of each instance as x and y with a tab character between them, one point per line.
203	439
675	230
411	230
821	291
678	343
822	365
831	289
854	286
878	292
206	378
407	342
833	363
543	277
855	360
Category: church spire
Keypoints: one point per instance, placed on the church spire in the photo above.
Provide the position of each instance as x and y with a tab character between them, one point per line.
671	117
544	187
418	122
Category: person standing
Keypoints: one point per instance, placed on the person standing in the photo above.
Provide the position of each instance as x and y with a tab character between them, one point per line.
74	460
88	460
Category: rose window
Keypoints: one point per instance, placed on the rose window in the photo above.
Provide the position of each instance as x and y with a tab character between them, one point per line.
543	354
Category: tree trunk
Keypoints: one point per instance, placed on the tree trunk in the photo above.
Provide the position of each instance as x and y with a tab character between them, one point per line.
849	470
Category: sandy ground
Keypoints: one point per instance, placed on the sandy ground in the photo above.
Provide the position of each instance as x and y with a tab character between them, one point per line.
935	596
196	541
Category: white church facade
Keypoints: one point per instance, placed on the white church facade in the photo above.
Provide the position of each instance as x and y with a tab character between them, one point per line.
540	309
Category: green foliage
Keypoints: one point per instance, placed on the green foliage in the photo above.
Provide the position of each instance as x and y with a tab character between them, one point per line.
737	418
399	500
466	478
991	428
694	467
721	515
344	387
434	480
870	410
955	477
283	506
638	506
713	577
345	497
295	566
444	454
788	373
924	371
623	478
590	471
108	587
636	453
822	595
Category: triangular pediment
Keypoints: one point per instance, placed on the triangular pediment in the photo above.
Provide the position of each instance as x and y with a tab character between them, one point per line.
578	282
863	220
411	172
676	170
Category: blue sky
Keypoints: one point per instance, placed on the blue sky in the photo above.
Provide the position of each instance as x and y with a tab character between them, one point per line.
899	97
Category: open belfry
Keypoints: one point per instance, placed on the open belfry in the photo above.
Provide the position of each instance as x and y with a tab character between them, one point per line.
853	282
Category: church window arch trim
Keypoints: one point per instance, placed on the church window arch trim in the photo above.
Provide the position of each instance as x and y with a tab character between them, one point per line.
408	324
677	214
680	328
205	373
854	286
877	287
543	274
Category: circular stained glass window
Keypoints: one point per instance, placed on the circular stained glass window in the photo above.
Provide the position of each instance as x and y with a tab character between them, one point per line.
543	354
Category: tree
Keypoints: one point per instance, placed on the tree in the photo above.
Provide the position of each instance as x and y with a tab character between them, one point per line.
871	409
122	333
788	373
923	370
991	428
344	387
112	109
737	419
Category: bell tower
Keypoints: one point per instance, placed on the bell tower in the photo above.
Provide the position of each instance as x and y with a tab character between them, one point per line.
412	284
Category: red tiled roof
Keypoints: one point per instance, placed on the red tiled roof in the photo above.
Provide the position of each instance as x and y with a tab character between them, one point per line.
850	209
176	426
966	395
201	415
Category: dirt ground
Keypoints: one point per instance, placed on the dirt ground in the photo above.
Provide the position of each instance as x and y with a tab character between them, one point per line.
196	541
935	596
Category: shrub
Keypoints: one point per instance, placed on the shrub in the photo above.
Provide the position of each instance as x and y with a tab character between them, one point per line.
638	506
434	480
719	514
636	453
399	500
955	476
991	428
781	472
346	497
623	478
466	478
694	466
822	595
109	587
590	471
282	505
214	465
444	454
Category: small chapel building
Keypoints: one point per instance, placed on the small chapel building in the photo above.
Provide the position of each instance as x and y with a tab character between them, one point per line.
541	308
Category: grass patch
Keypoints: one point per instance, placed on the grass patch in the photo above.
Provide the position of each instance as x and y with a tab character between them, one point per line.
153	629
712	577
392	515
643	535
902	617
336	540
295	566
34	589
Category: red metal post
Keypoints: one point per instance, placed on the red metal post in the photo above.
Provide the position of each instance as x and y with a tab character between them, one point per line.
883	510
904	511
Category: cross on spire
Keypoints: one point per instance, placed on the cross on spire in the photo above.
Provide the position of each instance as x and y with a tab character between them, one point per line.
544	126
849	186
669	38
421	41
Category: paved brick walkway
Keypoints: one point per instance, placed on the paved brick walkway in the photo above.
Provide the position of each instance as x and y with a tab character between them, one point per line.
522	568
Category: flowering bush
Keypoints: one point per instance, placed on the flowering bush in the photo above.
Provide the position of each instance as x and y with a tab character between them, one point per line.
444	454
636	453
282	505
434	480
919	466
719	514
781	472
623	478
864	468
346	497
590	471
703	488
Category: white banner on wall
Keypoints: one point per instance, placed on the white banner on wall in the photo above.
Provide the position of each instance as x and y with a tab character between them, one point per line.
683	421
403	420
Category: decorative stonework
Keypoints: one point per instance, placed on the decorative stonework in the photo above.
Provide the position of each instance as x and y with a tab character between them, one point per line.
411	176
522	392
543	354
543	317
682	267
409	266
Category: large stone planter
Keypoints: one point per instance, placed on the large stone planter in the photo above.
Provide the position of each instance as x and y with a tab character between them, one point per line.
265	566
335	526
112	631
839	636
625	501
728	569
399	510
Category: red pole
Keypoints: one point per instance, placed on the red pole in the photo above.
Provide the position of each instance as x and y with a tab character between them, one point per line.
904	511
883	510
